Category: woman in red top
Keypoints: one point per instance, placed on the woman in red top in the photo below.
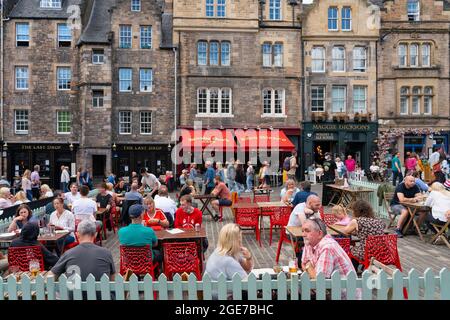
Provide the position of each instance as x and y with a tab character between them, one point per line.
187	216
154	218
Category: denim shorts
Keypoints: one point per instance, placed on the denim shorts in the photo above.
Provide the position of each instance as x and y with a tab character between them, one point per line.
225	202
397	209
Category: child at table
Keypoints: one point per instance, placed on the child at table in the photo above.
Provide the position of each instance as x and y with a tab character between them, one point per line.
341	215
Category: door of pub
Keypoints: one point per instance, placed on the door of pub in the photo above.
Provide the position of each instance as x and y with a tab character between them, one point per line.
98	167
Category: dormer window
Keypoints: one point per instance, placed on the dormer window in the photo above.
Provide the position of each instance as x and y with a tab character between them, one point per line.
51	4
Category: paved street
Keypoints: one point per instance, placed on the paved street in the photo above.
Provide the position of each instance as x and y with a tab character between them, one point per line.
413	252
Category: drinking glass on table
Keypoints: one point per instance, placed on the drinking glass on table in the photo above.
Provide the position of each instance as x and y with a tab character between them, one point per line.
34	267
293	265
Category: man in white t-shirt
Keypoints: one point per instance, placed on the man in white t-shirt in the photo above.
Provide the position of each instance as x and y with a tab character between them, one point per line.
84	208
305	210
165	203
73	195
149	180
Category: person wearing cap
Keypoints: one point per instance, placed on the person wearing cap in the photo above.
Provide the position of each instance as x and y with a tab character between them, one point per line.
439	201
138	235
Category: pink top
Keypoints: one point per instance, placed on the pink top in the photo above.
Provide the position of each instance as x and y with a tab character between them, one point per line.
343	222
350	164
410	163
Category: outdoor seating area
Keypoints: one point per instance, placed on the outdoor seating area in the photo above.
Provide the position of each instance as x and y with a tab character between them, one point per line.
406	268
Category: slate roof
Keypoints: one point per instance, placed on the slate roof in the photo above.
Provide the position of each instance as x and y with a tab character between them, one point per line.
99	24
30	9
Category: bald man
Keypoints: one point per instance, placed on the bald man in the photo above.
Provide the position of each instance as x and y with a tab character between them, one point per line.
304	210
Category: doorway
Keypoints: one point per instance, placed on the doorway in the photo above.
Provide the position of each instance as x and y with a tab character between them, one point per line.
357	150
322	147
98	166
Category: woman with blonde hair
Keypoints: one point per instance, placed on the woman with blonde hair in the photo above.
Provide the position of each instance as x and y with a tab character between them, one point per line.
21	197
6	199
439	201
46	192
230	256
26	184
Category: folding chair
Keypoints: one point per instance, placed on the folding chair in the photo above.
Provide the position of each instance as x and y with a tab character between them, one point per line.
440	233
388	196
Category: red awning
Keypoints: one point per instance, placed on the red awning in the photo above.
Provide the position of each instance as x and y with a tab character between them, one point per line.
214	139
263	139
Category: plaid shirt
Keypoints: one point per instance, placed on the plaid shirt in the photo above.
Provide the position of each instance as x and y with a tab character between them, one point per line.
328	256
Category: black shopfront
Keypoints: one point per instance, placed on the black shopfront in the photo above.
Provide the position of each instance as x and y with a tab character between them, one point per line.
340	139
49	157
129	158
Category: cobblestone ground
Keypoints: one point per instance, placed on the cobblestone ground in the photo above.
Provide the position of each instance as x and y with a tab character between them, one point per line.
413	252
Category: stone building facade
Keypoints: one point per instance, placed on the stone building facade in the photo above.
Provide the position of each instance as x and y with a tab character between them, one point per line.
339	48
239	65
413	74
66	102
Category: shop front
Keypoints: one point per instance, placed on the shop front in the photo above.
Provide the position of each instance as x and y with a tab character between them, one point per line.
128	158
339	139
49	157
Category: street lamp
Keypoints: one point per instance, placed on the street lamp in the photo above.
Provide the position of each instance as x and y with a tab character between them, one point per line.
169	147
114	146
71	147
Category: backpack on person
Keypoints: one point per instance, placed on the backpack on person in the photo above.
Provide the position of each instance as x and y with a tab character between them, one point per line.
287	164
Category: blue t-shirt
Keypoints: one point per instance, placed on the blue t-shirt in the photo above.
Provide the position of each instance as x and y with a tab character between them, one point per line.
210	173
301	197
137	235
394	161
422	185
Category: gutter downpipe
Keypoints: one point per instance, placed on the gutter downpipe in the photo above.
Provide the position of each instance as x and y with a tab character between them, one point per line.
175	106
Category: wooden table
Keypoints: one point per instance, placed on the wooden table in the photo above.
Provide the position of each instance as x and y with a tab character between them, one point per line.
101	212
42	238
347	196
187	235
205	199
413	208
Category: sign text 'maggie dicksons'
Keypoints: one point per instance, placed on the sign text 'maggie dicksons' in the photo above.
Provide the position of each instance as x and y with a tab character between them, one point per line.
343	126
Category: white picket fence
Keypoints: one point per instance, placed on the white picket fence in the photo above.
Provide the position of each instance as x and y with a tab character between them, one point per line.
372	197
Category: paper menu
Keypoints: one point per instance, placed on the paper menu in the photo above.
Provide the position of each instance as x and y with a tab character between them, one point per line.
175	231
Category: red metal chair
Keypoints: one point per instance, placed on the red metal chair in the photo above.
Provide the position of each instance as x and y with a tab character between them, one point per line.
384	249
279	218
248	218
283	239
322	213
261	198
138	260
243	200
21	257
345	244
329	218
180	257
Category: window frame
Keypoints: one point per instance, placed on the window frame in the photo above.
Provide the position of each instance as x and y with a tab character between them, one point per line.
364	50
96	53
146	122
141	80
404	57
98	98
123	80
220	108
331	19
60	36
50	4
416	96
67	123
223	5
417	46
58	79
123	35
312	98
422	47
355	89
267	55
322	59
134	5
274	59
335	60
344	100
222	43
413	16
205	43
428	97
349	19
272	92
209	8
121	122
27	35
404	97
275	9
146	35
25	121
217	53
16	78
